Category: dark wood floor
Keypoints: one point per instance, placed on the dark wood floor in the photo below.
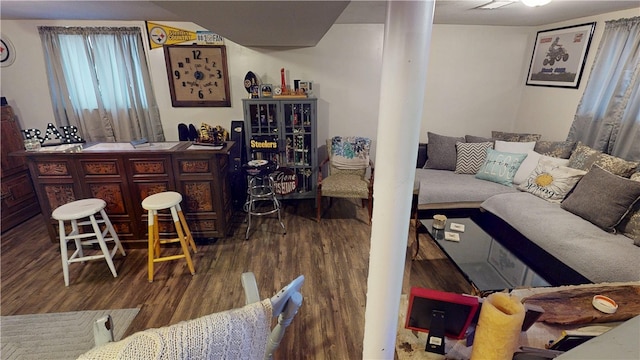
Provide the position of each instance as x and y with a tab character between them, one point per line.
333	255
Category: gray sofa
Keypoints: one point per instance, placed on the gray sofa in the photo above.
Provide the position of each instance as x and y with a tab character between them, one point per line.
561	247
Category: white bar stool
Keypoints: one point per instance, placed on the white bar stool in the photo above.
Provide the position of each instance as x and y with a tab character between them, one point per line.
161	201
81	209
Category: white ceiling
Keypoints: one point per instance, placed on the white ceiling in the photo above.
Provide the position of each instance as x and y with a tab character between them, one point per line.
288	23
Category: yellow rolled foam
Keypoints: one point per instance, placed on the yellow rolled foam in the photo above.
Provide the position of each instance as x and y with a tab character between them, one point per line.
498	330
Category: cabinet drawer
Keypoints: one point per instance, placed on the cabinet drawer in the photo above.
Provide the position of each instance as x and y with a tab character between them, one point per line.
19	201
55	168
16	189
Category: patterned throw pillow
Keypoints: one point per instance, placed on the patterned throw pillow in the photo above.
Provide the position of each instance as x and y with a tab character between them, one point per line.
507	136
630	225
441	151
602	198
583	157
551	181
559	149
471	156
500	167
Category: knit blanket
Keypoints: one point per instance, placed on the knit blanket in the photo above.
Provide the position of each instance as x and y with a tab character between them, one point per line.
234	334
350	152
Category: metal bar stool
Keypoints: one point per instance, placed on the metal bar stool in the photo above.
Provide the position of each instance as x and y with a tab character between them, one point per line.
162	201
86	209
261	189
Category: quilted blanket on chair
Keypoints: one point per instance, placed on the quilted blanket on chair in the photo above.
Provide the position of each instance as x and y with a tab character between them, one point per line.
350	152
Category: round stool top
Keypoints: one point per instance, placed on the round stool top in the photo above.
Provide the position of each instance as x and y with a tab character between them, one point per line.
78	209
163	200
259	167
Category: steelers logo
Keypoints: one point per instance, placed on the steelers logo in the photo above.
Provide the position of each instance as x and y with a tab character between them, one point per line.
158	35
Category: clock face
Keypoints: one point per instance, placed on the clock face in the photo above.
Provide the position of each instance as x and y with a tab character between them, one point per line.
197	75
7	51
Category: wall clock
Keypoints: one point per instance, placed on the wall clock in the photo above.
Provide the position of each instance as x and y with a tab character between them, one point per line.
7	51
197	75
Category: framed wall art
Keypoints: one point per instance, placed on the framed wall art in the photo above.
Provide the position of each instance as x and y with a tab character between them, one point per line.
559	56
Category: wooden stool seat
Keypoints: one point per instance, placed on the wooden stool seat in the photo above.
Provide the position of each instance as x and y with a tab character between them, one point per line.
86	209
162	201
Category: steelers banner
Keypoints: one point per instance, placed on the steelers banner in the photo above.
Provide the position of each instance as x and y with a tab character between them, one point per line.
160	35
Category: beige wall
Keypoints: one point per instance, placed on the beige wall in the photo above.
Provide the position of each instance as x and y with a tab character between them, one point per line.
475	80
550	111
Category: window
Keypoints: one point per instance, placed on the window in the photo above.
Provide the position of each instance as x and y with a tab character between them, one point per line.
100	83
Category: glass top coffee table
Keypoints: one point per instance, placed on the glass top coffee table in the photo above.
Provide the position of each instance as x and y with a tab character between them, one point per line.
483	260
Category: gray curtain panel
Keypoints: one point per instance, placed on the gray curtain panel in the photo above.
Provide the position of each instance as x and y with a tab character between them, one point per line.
100	82
608	116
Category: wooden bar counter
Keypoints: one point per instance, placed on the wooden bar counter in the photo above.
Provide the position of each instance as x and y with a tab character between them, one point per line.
123	176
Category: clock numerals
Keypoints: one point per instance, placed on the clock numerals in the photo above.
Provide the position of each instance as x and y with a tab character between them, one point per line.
177	74
196	54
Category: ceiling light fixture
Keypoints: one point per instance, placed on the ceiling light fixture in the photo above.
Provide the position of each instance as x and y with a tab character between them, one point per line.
495	4
534	3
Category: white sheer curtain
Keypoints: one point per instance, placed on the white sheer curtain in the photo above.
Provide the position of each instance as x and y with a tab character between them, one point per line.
608	116
100	83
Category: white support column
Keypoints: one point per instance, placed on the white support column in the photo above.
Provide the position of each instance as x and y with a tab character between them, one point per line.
404	66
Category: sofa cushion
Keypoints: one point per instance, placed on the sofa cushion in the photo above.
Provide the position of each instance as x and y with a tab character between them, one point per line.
569	238
630	225
441	151
602	198
551	181
446	189
500	167
477	139
516	147
507	136
583	157
530	162
559	149
471	156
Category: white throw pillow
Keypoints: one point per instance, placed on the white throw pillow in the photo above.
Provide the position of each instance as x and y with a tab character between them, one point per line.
514	147
550	181
529	164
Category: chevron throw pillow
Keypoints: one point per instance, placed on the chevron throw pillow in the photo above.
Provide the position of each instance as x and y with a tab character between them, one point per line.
471	156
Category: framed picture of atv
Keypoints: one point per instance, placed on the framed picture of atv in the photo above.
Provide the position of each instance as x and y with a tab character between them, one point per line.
559	56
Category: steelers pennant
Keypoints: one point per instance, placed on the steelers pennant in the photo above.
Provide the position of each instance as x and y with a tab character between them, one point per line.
160	35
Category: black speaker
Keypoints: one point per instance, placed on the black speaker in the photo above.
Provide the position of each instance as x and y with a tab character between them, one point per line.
238	156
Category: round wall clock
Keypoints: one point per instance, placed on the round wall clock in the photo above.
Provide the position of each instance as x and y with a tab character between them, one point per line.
197	75
7	51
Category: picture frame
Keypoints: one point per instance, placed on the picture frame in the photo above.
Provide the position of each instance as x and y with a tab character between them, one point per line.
266	91
559	56
255	92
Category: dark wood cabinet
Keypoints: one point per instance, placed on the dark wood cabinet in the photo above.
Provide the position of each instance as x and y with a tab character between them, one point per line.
19	201
123	178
